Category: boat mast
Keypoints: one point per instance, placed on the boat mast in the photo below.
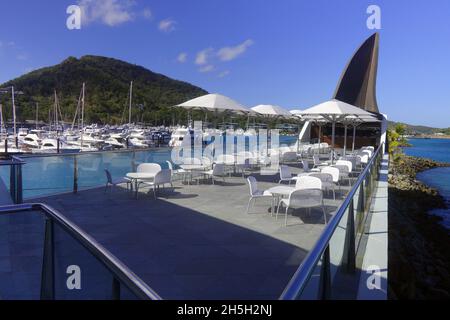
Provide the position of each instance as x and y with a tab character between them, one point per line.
131	101
55	110
14	115
37	114
82	113
1	120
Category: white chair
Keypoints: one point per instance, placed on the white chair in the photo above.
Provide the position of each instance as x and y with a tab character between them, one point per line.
255	193
327	181
114	183
149	168
162	178
207	162
317	162
303	198
217	171
286	175
308	182
345	168
305	164
289	157
335	173
176	172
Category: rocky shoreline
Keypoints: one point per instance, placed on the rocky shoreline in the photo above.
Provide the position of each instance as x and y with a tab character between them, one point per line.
419	255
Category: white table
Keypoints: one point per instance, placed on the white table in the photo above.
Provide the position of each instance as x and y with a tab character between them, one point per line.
190	168
135	177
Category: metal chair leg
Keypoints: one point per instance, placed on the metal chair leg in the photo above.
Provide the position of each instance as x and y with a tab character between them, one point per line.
285	217
248	206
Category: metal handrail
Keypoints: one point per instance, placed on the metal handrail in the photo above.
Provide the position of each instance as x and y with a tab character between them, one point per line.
306	269
119	270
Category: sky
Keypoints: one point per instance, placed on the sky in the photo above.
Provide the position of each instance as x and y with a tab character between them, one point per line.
284	52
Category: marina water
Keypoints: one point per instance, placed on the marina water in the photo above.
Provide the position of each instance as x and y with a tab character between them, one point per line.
52	174
438	178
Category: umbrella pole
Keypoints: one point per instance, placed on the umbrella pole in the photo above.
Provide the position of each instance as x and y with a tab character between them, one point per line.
354	137
333	134
345	140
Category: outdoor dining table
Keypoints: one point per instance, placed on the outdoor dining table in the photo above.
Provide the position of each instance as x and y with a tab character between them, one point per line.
135	177
191	168
278	192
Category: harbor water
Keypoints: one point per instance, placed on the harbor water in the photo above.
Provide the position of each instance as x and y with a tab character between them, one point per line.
438	178
52	174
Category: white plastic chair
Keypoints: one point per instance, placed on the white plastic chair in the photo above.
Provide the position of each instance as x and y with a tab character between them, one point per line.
327	181
308	182
317	162
289	157
176	172
345	168
303	198
217	171
110	182
162	178
305	164
255	193
286	175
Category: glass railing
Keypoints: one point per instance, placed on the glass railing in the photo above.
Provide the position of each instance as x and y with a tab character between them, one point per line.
330	270
43	255
45	175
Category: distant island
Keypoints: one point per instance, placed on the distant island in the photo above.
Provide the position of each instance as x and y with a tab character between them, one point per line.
418	131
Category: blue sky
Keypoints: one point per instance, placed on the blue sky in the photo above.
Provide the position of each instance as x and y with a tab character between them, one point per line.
285	52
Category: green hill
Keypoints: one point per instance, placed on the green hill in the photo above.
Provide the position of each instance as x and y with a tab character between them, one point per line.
107	85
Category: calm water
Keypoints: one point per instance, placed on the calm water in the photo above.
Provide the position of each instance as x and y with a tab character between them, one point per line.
439	178
44	176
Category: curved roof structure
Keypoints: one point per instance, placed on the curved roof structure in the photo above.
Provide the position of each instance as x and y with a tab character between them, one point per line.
357	85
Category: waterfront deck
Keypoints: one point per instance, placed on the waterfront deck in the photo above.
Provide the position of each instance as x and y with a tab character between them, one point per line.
197	242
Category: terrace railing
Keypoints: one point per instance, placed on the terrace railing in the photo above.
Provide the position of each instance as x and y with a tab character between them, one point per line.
15	177
65	252
330	270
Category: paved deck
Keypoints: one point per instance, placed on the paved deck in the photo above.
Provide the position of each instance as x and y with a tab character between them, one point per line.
197	242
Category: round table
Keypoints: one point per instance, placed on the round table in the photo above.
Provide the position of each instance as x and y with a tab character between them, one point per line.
190	168
136	176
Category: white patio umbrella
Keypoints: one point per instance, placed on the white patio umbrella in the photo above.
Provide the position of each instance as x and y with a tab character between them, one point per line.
335	111
214	102
271	110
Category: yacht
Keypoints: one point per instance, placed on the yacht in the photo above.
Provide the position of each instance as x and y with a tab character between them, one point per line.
51	146
179	137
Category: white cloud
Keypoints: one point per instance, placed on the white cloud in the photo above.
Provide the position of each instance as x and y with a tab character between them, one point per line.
203	56
182	57
223	74
22	57
167	25
207	68
231	53
147	13
109	12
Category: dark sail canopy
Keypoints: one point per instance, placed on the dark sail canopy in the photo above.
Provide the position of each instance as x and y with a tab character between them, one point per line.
357	85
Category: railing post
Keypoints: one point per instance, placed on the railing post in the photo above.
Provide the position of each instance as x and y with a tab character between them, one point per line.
12	182
48	263
115	289
325	276
19	186
15	183
75	174
349	246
